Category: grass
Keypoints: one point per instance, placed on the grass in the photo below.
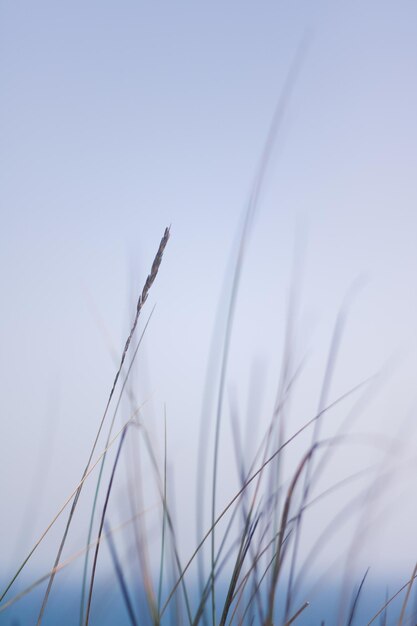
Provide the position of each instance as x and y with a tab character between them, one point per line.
249	565
252	574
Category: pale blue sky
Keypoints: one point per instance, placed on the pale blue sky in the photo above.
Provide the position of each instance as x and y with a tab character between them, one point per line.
119	118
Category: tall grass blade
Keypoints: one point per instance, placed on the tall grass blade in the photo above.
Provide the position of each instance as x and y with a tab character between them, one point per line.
120	576
356	599
164	518
407	596
95	499
106	502
248	219
141	300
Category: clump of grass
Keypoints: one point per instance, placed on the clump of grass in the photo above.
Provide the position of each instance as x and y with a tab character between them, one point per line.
251	576
254	570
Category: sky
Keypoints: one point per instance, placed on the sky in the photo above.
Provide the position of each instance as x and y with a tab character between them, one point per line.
119	119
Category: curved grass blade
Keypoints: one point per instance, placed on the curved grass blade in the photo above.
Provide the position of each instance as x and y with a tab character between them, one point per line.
356	599
106	502
120	575
248	219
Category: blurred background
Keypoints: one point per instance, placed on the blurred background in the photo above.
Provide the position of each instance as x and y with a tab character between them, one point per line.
119	119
